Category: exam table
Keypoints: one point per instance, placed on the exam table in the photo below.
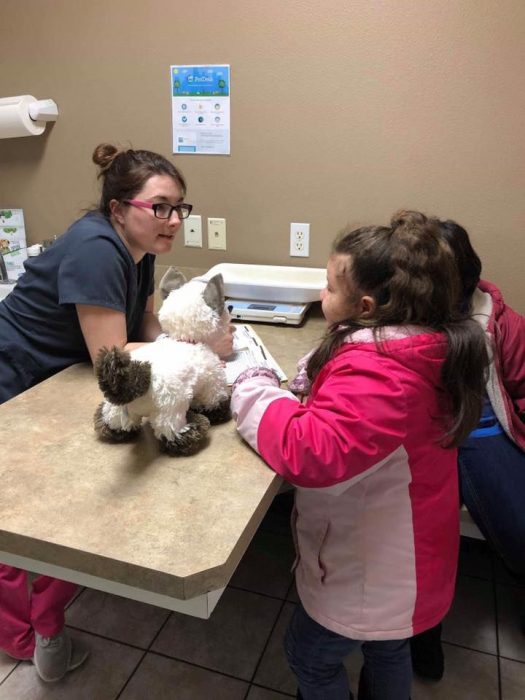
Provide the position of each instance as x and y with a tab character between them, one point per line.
125	518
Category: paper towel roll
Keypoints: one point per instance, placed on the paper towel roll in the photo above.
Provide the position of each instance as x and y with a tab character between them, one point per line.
15	119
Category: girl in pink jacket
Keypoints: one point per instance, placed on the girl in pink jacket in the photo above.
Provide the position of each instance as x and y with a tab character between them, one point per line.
372	454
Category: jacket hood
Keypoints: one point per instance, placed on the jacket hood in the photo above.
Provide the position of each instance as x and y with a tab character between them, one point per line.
418	350
496	296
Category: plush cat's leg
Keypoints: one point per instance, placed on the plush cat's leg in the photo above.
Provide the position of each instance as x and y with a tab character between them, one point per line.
212	400
114	424
187	440
180	431
216	414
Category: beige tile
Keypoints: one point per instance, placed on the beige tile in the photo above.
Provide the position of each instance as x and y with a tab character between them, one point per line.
277	518
469	675
274	672
100	678
475	558
6	665
293	596
159	678
79	591
503	574
121	619
512	680
471	621
257	693
511	613
265	567
231	641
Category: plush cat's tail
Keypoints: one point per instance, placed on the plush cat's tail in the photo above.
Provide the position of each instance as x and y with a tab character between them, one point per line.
120	378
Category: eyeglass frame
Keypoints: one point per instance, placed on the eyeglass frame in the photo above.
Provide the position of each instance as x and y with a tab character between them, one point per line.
179	208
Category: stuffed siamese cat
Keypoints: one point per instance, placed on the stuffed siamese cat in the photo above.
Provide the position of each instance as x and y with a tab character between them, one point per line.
177	383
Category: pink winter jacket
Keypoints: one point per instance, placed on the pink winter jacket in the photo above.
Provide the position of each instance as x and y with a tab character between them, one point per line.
505	331
376	519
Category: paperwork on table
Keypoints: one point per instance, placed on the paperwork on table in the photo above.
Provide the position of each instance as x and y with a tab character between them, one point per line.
249	351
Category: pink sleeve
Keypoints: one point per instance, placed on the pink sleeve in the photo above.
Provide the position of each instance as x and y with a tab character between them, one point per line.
355	420
250	399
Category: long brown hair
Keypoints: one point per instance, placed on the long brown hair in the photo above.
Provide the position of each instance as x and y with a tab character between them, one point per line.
124	172
410	272
467	260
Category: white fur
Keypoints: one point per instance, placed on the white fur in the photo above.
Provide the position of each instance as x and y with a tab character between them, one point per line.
185	372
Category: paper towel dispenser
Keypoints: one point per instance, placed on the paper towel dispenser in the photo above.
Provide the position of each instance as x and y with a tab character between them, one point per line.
44	110
24	115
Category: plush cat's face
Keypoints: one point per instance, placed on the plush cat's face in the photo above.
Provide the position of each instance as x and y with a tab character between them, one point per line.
193	311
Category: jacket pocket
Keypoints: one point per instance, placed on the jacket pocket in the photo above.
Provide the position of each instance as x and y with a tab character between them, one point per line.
293	525
311	542
321	561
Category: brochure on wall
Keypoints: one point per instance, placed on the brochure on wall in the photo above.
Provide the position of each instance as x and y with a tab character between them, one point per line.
201	109
13	241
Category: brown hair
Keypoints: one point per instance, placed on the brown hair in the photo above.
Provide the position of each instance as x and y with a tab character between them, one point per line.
410	272
125	171
467	260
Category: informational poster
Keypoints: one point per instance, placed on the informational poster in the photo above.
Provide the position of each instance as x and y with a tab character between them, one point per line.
13	241
201	109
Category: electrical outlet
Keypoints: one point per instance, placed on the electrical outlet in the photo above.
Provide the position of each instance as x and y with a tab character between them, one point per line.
299	240
193	231
217	234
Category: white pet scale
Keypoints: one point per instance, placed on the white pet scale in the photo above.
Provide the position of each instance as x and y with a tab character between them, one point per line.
269	293
266	311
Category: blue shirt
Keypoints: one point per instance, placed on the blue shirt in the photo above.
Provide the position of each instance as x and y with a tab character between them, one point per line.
40	332
488	425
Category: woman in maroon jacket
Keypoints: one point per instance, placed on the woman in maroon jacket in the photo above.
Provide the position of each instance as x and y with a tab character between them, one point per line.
491	461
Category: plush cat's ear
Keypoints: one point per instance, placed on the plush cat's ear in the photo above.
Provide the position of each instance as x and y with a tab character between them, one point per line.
214	294
172	279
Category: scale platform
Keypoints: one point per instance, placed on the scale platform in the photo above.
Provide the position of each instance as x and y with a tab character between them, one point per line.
266	311
269	293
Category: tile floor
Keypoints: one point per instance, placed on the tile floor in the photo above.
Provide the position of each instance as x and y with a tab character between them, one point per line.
140	652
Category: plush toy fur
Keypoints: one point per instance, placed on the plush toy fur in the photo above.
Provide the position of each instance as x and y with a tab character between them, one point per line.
177	382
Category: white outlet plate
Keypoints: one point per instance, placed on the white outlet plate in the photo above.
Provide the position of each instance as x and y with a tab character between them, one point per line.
299	240
217	234
193	231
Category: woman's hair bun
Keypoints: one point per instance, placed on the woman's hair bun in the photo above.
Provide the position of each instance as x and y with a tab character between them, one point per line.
104	155
408	218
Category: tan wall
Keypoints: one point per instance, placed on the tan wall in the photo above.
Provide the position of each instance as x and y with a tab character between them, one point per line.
342	112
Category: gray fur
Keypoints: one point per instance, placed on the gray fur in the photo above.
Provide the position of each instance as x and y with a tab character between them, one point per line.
189	440
107	434
172	279
218	414
214	294
120	378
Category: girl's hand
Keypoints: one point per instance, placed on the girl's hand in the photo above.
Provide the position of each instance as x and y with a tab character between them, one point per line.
300	384
224	346
252	372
